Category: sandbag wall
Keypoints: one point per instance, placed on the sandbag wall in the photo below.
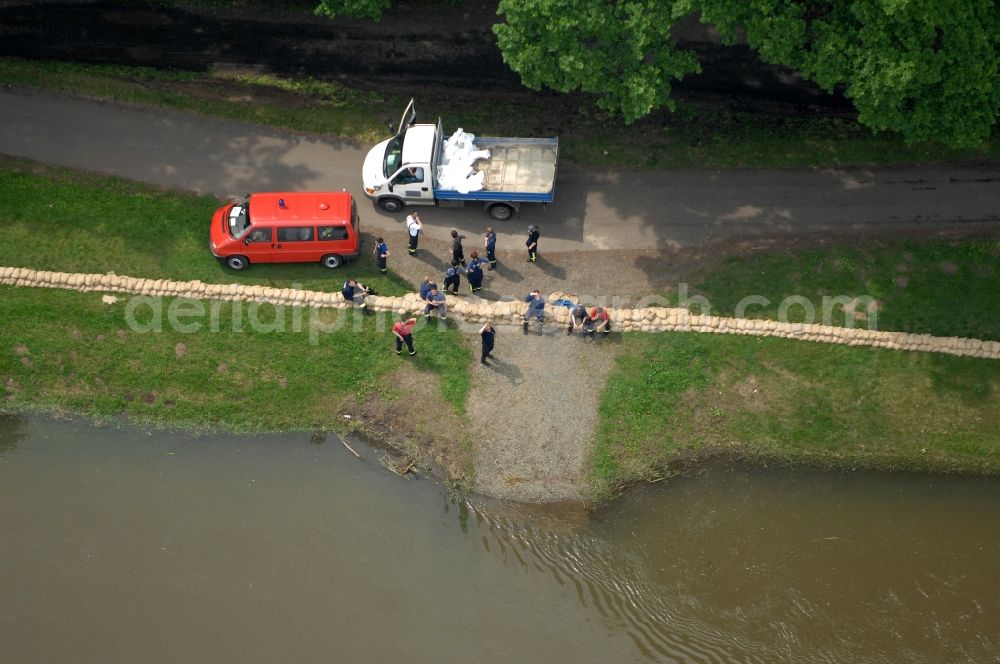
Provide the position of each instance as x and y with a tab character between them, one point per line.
649	319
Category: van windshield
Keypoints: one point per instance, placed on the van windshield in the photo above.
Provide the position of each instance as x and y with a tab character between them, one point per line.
239	220
393	156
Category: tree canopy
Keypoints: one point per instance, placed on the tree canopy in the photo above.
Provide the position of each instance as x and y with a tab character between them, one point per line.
622	51
928	69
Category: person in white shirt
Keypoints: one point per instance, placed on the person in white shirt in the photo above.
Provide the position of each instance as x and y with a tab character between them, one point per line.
413	227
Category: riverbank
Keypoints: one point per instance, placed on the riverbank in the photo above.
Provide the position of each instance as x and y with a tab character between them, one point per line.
260	370
674	402
704	132
528	433
664	398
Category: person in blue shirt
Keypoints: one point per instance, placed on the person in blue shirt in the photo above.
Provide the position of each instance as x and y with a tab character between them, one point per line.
426	286
536	310
453	279
474	271
381	253
491	247
436	300
354	291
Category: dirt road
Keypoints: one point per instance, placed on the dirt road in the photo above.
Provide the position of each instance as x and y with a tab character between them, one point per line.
594	210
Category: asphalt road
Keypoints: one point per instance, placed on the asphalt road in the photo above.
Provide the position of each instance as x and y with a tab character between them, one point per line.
594	210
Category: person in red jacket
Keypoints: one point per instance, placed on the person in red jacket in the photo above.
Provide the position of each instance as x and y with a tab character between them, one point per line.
601	319
403	329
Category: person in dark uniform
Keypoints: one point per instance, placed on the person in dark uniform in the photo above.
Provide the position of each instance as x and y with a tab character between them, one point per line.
491	248
457	252
532	243
580	321
474	272
488	333
381	252
354	291
536	310
453	279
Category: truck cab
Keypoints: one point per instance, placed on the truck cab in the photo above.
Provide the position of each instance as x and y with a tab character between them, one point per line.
400	170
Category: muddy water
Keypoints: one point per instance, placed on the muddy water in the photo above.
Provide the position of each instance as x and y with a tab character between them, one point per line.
118	545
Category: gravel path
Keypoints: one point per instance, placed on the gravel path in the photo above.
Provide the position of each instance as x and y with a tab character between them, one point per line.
533	413
630	274
532	427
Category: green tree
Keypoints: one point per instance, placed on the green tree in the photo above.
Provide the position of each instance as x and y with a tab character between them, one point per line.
929	69
620	50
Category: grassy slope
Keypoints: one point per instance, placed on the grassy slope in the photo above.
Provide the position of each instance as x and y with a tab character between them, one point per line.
305	103
68	351
673	396
677	395
97	224
947	288
698	135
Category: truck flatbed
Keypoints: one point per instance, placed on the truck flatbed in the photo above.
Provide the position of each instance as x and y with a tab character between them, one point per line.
519	169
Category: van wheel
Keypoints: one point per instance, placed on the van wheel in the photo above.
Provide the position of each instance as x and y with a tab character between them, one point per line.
237	262
390	204
332	261
501	212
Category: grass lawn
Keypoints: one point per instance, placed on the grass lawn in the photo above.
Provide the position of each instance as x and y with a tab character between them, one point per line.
947	288
680	396
94	223
701	134
68	351
60	219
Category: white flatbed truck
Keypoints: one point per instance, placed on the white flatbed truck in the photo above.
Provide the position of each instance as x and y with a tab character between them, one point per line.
402	170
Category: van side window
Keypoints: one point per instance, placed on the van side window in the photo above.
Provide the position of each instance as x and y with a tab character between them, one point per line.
295	234
260	235
332	232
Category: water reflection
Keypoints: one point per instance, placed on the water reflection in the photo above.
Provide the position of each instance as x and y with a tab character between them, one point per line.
13	430
276	548
609	580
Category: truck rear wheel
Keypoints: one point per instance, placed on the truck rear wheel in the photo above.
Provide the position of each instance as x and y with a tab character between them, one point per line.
501	212
390	204
237	262
332	261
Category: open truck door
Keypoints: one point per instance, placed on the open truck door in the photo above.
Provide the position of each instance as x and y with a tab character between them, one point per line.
409	115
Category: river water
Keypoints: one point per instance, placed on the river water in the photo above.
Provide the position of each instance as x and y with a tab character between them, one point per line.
122	545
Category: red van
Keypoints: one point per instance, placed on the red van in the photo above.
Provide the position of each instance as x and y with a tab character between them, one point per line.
299	227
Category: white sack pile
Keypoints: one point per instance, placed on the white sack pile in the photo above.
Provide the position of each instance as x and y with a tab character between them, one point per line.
455	171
